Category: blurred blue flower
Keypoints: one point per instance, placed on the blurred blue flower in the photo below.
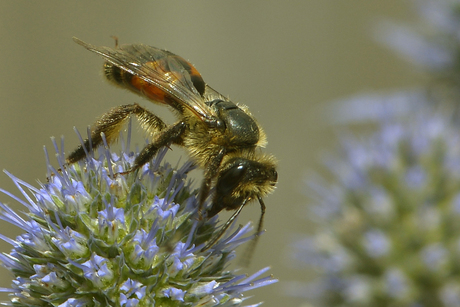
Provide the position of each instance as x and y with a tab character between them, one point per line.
433	42
387	211
387	227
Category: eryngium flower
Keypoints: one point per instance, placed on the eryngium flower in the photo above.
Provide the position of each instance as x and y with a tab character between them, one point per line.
432	42
387	226
94	239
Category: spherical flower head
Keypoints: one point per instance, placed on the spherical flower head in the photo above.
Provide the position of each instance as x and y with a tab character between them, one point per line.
432	42
95	238
387	225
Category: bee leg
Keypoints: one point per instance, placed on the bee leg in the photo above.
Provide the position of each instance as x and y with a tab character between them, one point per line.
224	228
111	123
209	174
172	134
250	249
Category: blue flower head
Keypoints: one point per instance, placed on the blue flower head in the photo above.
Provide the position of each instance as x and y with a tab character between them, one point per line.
432	43
387	225
94	238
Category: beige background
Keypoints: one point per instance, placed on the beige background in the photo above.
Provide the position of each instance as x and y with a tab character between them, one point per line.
284	59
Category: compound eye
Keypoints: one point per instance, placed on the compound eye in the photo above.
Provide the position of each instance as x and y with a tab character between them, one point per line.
230	179
275	176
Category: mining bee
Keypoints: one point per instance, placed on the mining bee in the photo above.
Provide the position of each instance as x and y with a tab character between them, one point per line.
222	137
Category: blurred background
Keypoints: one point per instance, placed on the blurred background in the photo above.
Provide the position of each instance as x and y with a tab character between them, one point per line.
285	61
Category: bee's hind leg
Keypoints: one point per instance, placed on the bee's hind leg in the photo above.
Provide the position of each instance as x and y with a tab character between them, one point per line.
111	124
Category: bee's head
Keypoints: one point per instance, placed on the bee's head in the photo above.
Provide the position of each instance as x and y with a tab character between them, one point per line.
242	179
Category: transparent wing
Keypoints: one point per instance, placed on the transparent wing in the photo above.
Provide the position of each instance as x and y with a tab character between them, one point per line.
211	94
169	76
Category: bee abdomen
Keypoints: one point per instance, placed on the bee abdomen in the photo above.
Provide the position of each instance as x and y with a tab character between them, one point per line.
136	84
117	75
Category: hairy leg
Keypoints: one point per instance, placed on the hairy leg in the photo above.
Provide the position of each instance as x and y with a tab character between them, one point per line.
111	123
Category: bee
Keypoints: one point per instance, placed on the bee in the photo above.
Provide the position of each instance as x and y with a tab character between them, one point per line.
222	137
